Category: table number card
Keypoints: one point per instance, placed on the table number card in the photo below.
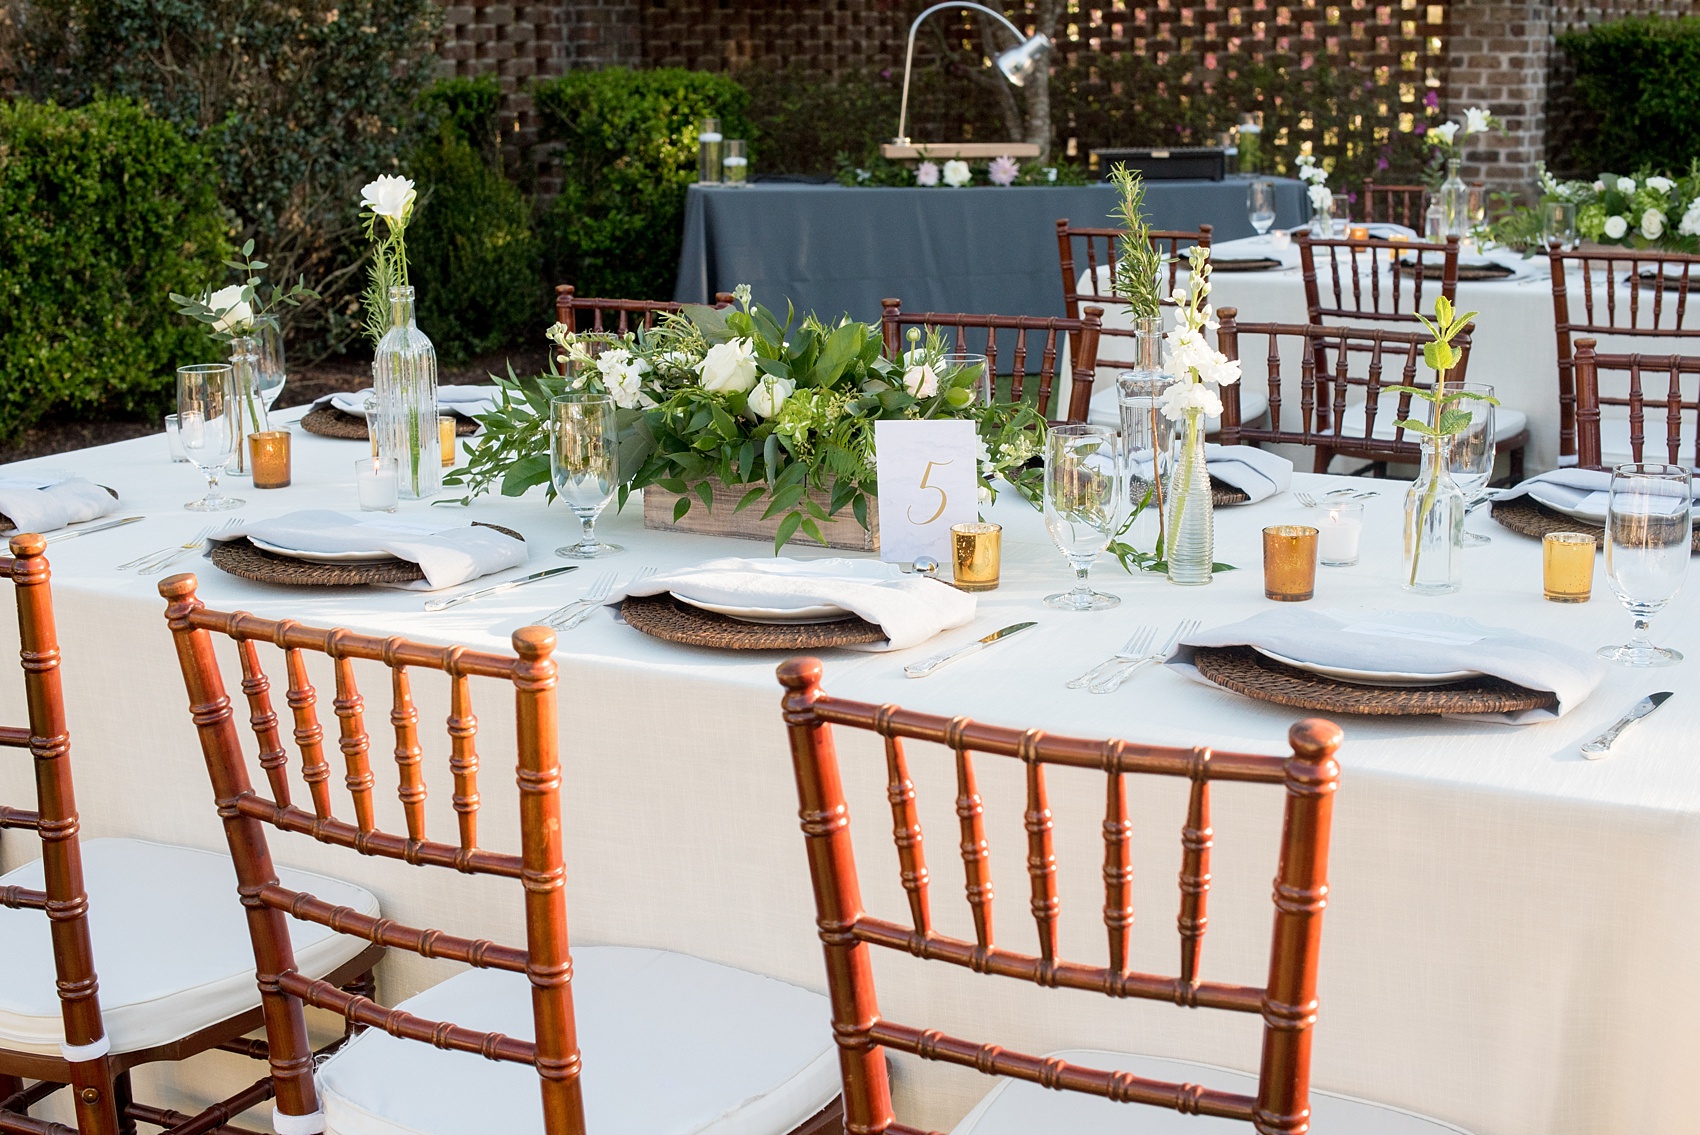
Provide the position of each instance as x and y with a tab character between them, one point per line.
926	483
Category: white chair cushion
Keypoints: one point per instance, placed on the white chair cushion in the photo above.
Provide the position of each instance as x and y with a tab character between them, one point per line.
171	945
1507	423
672	1045
1254	403
1016	1107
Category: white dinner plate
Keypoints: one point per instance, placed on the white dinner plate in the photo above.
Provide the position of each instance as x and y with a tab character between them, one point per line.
824	613
321	557
1371	677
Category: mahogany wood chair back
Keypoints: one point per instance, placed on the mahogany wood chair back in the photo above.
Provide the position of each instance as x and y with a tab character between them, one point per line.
1395	204
1033	340
1353	288
582	313
1287	1003
247	812
1665	372
1637	294
1100	248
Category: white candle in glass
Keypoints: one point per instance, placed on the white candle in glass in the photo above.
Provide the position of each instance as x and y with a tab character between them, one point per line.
378	481
1337	545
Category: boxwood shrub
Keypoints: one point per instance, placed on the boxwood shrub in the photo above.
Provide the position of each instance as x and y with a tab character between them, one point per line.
1640	80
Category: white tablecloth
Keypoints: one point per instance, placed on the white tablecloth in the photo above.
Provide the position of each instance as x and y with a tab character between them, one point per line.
1510	941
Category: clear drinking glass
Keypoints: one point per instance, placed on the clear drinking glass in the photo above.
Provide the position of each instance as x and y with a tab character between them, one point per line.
1648	531
206	425
968	374
174	443
584	460
1260	205
270	371
735	164
1473	451
1082	489
1558	222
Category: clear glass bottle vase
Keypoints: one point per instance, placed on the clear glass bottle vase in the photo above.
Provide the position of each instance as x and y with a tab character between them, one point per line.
1434	525
1148	437
1190	518
251	416
404	381
1454	202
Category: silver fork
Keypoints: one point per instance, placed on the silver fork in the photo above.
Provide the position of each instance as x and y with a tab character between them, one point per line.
145	556
1113	681
588	609
159	564
1133	649
595	593
1305	499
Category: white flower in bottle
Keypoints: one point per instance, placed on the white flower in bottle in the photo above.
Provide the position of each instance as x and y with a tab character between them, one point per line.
769	395
1445	130
1183	396
1652	224
957	174
1616	227
1321	198
389	197
232	310
729	368
1477	120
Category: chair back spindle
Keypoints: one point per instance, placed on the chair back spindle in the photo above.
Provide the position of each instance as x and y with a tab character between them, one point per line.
1642	375
1101	249
615	316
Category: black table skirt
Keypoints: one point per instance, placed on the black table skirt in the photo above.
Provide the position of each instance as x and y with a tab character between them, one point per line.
831	250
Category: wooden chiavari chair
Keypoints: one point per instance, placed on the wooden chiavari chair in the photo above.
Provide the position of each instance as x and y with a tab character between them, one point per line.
583	313
673	1043
1052	352
1395	205
1353	289
1680	411
1279	1098
174	979
1101	249
1365	361
1639	295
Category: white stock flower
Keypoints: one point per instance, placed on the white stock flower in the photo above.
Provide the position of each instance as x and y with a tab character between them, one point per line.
232	310
920	381
389	197
1626	185
957	174
769	395
1446	130
1182	397
1652	224
1690	225
1321	198
1477	120
1616	227
623	375
729	368
1222	372
1661	184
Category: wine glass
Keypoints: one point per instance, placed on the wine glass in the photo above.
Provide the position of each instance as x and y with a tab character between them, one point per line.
1260	205
584	460
1558	222
1082	486
1473	450
269	369
1649	525
206	425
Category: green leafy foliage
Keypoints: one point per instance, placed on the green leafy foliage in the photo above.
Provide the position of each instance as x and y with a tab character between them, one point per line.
104	212
1140	265
629	150
1441	356
1640	79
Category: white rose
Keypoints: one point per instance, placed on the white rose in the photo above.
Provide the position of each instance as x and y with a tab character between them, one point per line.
729	368
1616	227
1652	224
1661	184
1626	185
1446	130
769	395
921	381
957	174
1690	225
232	310
1476	120
389	197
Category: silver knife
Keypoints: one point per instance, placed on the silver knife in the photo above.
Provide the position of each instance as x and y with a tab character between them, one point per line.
1600	747
443	604
922	669
68	533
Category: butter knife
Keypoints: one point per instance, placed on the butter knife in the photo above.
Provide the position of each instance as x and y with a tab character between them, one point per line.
1600	747
922	669
444	604
55	537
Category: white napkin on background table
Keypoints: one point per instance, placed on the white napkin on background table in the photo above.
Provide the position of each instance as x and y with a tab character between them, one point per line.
1418	642
1257	473
910	609
467	401
39	505
448	554
1583	491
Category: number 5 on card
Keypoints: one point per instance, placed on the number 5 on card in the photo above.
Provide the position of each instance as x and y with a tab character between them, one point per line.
927	483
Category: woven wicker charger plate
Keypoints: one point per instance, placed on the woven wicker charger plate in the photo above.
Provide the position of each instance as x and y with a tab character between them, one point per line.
1222	494
1262	264
665	617
6	524
1244	671
328	421
1532	518
1465	272
239	557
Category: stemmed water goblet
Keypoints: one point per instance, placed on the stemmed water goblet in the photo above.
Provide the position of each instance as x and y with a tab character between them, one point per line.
1649	526
206	427
1473	450
1082	495
584	462
1260	205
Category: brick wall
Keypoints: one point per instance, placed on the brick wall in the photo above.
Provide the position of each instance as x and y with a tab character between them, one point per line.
514	42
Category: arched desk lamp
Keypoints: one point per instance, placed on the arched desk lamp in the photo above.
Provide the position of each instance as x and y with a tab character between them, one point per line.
1016	64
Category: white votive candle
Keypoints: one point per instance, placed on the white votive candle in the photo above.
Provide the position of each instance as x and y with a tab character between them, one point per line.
378	481
1337	545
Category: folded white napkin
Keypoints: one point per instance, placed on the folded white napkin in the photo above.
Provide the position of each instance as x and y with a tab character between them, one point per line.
467	401
42	505
1257	473
1585	492
448	554
1416	642
910	609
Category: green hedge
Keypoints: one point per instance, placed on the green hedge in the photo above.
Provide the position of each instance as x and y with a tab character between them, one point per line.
104	210
629	149
1640	79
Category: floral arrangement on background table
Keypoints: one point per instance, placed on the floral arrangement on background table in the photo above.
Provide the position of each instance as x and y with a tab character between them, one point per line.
779	413
882	173
1656	211
1315	179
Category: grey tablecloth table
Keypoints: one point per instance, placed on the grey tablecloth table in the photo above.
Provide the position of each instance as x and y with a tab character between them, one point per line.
831	249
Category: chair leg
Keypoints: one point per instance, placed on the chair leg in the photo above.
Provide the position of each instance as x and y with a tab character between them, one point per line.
1324	457
10	1086
1517	465
122	1099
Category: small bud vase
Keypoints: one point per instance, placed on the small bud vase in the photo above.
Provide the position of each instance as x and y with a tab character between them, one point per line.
251	416
404	381
1190	522
1434	525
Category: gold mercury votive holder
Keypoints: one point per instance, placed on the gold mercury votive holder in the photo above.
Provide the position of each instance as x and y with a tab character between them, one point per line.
1289	562
446	435
1567	566
269	454
976	554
